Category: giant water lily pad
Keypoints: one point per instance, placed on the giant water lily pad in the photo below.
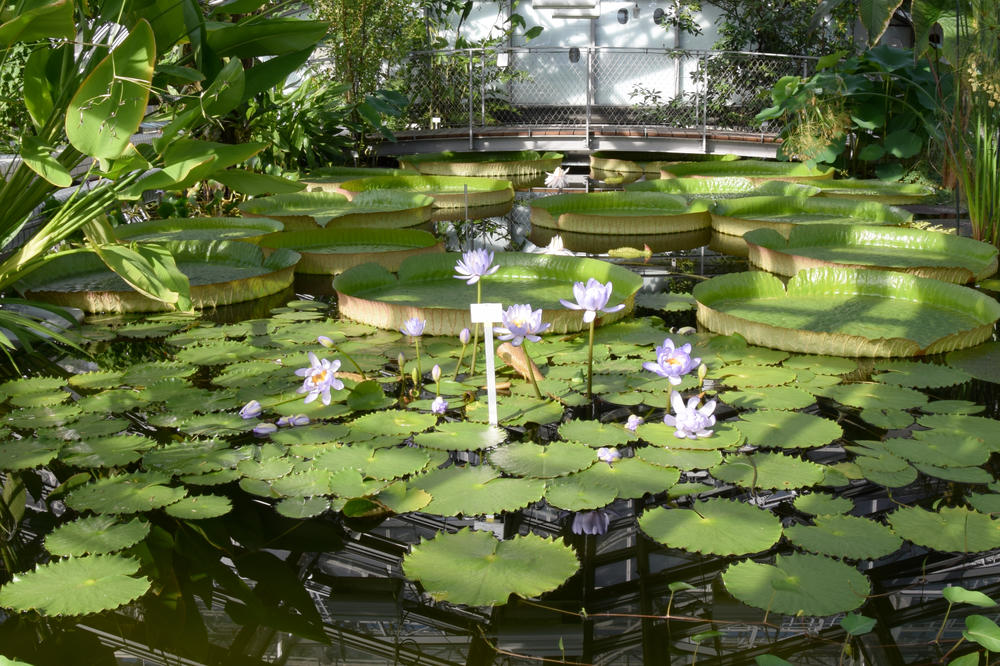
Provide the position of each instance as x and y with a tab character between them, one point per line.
648	162
847	312
798	584
386	209
896	194
496	164
220	273
333	251
952	529
715	526
476	569
447	191
916	251
427	289
77	586
722	187
736	217
631	477
619	213
198	228
845	536
755	170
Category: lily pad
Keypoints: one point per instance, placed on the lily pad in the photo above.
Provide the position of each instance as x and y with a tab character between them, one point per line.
918	375
783	214
845	536
133	492
447	191
887	419
743	376
517	410
952	407
475	490
619	213
487	164
819	504
789	430
393	422
768	470
333	251
630	477
95	535
874	396
679	458
302	507
200	507
474	568
535	460
771	397
310	210
798	584
715	526
18	454
847	312
942	449
982	362
462	436
106	451
566	492
980	427
198	228
951	529
77	586
724	436
595	434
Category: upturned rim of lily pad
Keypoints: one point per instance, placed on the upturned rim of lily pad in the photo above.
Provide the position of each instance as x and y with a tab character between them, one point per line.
490	164
738	216
447	191
320	256
361	290
621	213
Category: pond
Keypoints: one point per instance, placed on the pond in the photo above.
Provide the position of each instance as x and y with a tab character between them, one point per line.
819	523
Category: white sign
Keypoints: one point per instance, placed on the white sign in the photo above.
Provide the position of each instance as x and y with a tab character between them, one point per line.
488	314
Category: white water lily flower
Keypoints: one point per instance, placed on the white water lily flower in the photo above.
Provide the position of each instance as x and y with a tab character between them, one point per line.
558	179
690	420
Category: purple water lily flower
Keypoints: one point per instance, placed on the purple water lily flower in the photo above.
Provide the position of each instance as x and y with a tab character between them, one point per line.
608	455
591	522
690	420
251	410
439	406
474	265
591	298
292	421
634	422
520	322
464	336
413	327
320	377
264	429
672	362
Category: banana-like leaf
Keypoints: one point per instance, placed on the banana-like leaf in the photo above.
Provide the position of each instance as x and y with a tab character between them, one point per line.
226	91
149	269
875	16
928	13
107	108
38	156
43	79
266	75
275	36
255	184
39	19
166	18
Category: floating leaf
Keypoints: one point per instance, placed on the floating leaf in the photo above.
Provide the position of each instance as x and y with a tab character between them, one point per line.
665	301
399	498
790	430
126	493
117	401
39	399
99	379
476	490
265	469
462	436
952	529
211	425
772	397
798	584
887	419
918	375
106	451
715	526
972	475
679	458
43	417
145	374
886	470
595	433
200	507
630	477
768	470
568	493
983	428
302	507
95	535
956	594
517	410
822	365
393	422
535	460
17	454
819	504
879	396
981	362
857	625
933	447
742	375
753	356
32	385
845	536
724	436
192	457
985	503
952	407
310	482
476	569
77	586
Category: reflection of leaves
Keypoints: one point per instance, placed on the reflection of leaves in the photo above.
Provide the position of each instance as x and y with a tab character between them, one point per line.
474	568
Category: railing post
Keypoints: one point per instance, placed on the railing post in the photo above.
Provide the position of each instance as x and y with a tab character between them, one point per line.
482	89
590	94
702	60
469	94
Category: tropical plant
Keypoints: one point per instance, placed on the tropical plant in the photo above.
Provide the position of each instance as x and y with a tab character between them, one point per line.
88	79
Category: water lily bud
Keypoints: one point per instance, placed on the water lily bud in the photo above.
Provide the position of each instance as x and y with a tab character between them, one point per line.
415	376
436	373
299	420
264	429
464	336
702	373
401	360
325	341
251	410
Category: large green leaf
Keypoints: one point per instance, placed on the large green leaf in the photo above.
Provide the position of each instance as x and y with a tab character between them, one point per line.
875	16
952	529
715	526
475	569
276	36
536	460
788	430
107	109
845	537
38	156
150	270
768	470
77	586
95	535
476	490
798	585
126	493
37	20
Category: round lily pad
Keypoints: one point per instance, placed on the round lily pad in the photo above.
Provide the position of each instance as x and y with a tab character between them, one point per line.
789	430
393	422
200	507
134	492
982	362
535	460
302	507
918	375
567	492
517	410
192	457
822	365
631	477
971	475
462	436
110	451
887	419
819	504
724	436
77	586
768	470
95	535
474	568
595	433
845	536
952	407
980	427
942	449
715	526
951	529
17	454
770	397
879	396
476	490
679	458
743	375
798	584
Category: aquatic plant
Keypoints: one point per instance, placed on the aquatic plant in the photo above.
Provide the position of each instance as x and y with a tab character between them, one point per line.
691	420
672	362
320	377
521	323
472	267
592	298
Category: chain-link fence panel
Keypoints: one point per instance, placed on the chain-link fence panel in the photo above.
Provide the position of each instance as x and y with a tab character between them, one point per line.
594	86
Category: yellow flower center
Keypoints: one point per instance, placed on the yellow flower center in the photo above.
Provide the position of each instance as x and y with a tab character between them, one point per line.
318	377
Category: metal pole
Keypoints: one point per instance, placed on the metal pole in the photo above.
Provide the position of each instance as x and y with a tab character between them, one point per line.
469	93
482	89
590	94
704	104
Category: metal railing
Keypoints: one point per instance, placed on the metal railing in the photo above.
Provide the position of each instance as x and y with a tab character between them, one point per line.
593	86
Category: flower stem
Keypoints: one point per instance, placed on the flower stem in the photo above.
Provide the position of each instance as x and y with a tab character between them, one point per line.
475	339
416	343
590	362
458	366
531	370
